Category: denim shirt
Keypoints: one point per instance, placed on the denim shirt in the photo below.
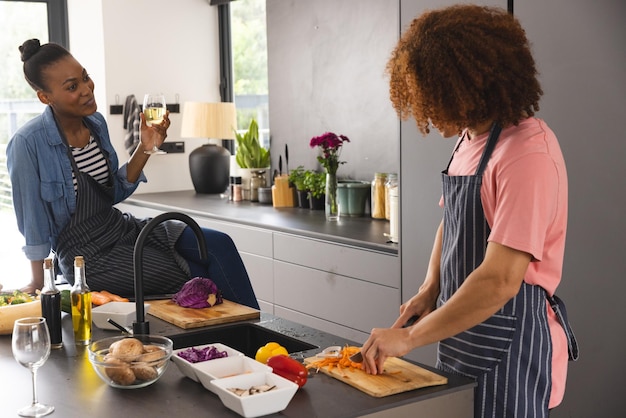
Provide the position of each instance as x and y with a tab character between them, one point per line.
41	178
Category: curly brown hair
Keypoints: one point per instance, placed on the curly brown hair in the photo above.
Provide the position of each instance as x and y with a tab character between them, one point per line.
461	66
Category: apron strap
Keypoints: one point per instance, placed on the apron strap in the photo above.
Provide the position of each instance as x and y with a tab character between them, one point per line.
494	133
558	306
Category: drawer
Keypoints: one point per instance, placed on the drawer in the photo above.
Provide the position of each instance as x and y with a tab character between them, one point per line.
340	259
343	300
261	273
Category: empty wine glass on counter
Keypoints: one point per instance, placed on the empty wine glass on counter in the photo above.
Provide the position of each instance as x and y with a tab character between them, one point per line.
154	108
31	348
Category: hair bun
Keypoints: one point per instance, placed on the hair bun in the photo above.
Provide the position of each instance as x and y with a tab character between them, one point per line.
29	48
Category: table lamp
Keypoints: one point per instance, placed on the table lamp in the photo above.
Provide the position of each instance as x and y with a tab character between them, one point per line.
209	165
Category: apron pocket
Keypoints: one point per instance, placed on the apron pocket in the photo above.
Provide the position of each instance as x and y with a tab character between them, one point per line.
479	349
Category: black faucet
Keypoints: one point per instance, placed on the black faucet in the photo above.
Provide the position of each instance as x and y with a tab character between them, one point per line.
141	326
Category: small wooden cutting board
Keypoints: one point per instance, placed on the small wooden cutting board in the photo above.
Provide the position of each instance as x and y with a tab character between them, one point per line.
187	318
399	376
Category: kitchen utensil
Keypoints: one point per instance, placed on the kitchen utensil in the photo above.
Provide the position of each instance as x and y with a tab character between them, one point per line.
287	158
186	318
146	369
357	357
280	165
399	376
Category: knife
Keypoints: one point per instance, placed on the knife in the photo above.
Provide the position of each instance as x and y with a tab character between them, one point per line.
287	158
280	165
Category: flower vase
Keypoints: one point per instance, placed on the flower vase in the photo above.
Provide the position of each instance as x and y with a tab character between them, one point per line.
332	206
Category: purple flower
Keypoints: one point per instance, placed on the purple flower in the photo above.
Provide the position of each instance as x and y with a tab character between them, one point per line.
330	145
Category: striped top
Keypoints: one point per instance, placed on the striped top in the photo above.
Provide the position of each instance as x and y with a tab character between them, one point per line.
90	160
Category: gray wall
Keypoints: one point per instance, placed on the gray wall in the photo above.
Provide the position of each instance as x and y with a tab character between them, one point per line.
326	62
579	49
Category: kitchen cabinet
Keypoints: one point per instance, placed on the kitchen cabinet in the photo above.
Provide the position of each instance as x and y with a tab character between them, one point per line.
341	281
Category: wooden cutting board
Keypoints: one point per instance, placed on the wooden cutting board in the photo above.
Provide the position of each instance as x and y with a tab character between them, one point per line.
187	318
400	376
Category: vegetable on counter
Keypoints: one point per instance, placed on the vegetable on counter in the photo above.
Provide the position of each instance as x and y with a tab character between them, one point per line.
198	293
197	355
15	298
289	368
341	362
268	350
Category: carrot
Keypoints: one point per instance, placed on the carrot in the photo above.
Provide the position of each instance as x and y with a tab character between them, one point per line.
340	363
113	297
98	298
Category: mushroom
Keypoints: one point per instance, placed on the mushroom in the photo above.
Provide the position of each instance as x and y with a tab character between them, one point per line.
127	349
119	372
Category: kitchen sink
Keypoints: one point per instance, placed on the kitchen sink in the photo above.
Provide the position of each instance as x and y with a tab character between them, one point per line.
244	337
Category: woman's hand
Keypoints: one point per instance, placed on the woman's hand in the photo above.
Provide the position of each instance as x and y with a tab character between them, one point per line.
154	135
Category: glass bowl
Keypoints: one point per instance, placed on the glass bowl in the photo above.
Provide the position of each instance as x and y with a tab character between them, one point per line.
130	362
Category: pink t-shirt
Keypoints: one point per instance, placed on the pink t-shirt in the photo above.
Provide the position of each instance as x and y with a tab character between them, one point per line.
524	196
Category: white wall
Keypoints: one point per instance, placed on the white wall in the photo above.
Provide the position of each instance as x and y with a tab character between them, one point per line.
109	39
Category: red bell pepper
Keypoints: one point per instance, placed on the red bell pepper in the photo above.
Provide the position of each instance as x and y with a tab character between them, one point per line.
289	368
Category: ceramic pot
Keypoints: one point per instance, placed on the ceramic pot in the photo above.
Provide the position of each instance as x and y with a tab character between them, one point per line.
353	197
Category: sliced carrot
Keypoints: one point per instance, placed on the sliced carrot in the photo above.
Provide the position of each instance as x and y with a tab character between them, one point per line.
98	298
113	297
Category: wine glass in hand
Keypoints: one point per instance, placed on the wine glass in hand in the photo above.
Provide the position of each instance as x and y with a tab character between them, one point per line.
154	108
31	348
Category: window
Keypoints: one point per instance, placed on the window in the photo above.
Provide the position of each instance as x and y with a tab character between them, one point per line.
249	58
45	20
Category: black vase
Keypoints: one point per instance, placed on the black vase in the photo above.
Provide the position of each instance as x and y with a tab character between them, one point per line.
303	199
317	203
209	166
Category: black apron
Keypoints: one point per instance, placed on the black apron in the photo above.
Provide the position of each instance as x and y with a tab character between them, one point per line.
509	354
106	237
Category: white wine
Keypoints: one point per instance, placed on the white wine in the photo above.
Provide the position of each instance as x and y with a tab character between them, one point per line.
154	115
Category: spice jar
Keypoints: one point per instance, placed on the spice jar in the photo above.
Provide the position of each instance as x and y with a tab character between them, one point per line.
391	183
256	181
378	196
237	189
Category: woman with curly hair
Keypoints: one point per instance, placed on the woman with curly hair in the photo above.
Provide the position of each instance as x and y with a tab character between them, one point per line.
488	296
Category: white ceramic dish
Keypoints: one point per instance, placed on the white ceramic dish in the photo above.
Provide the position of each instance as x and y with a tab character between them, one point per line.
258	404
207	371
189	369
121	312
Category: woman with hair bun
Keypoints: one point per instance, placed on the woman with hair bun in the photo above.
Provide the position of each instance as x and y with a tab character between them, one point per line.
66	179
488	295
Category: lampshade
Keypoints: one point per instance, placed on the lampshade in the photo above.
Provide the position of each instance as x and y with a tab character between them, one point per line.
209	165
209	120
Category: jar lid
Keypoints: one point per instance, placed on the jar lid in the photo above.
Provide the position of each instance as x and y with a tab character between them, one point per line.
237	180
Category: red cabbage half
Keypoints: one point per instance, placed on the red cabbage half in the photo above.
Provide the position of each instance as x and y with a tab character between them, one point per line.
198	292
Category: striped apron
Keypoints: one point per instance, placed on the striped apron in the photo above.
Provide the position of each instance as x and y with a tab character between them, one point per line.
106	237
509	354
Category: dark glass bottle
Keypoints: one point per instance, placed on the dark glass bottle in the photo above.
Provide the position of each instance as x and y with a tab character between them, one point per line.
51	304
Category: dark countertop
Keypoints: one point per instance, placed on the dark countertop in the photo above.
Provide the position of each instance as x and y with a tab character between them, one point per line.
68	382
362	232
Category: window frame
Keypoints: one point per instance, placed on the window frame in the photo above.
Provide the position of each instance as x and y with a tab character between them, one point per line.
58	27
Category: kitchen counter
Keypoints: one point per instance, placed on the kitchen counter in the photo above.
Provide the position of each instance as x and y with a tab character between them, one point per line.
362	232
68	382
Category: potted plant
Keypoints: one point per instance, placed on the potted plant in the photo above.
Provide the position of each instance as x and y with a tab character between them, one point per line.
250	155
316	185
297	179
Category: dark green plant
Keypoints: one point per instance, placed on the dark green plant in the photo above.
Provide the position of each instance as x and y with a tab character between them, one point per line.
315	183
297	178
249	153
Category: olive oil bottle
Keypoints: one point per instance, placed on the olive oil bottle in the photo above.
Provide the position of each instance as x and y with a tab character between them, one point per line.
81	304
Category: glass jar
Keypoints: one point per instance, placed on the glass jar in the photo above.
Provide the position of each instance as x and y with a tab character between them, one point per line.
391	183
378	196
257	180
